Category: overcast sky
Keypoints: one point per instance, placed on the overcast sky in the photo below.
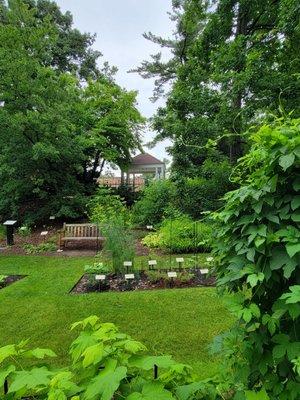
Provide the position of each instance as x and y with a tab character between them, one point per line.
119	25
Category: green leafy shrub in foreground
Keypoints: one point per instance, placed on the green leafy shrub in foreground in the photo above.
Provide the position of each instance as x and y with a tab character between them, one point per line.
180	235
105	364
258	250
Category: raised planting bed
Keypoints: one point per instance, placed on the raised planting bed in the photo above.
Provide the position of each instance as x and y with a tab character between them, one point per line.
144	280
6	280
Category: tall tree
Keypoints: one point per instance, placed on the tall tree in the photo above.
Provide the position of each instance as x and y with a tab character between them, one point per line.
240	61
52	126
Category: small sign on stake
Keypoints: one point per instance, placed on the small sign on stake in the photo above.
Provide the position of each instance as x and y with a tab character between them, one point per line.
172	274
204	271
129	276
149	227
180	259
100	277
52	217
44	233
127	263
152	262
209	259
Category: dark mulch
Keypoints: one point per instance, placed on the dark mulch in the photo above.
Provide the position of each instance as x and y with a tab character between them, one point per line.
11	279
117	283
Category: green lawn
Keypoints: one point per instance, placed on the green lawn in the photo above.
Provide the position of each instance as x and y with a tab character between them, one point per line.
181	322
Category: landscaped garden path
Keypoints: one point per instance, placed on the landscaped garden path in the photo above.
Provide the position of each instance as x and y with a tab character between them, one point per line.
181	322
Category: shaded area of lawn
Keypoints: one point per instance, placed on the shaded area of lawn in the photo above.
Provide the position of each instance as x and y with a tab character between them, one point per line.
181	322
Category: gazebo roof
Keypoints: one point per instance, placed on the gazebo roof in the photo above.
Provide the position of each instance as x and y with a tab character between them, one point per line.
145	159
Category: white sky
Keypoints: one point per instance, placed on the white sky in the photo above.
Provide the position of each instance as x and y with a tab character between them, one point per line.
119	25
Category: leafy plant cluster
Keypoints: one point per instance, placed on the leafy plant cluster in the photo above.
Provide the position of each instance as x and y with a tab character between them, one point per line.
110	213
97	268
258	253
181	235
105	364
39	248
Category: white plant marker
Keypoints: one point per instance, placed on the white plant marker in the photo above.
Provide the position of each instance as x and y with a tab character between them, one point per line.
100	277
127	263
129	276
172	274
149	227
204	271
59	251
209	259
180	259
44	233
152	262
52	217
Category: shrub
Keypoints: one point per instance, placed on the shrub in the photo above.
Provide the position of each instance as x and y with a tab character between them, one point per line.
106	206
181	235
156	203
258	253
205	192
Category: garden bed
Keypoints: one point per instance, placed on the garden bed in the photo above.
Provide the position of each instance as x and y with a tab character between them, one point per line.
9	279
143	280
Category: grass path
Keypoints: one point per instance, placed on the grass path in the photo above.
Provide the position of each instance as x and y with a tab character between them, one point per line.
181	322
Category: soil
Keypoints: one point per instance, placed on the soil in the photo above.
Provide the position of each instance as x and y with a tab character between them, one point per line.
10	279
72	249
117	283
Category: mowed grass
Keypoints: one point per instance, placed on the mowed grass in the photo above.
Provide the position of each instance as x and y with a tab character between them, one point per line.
180	322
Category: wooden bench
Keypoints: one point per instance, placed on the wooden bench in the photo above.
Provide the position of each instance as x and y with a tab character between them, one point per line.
79	232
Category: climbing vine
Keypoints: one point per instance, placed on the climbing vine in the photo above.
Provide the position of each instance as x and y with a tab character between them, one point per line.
258	251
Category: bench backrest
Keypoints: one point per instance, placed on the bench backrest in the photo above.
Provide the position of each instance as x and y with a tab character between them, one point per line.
81	230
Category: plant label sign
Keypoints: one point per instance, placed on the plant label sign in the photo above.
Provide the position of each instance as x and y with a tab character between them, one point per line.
44	233
100	277
129	276
204	271
52	217
152	262
172	274
209	259
180	259
149	227
127	263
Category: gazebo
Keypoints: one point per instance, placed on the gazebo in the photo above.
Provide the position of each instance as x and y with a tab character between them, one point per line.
145	164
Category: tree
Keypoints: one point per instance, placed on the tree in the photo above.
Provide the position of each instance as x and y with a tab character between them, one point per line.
51	126
239	62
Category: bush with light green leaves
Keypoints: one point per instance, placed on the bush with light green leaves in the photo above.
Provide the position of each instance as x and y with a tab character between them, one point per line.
258	253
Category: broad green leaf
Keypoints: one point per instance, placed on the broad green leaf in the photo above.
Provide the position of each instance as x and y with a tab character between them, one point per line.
148	362
185	392
286	161
292	249
39	353
36	378
295	203
296	216
293	296
152	391
134	347
92	355
4	373
279	258
7	351
261	395
105	384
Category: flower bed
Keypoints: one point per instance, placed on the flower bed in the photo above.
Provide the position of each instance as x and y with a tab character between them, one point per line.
144	280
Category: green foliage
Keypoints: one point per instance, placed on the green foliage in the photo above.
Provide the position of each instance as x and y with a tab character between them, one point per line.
155	203
106	206
181	235
55	133
24	231
222	79
119	243
2	279
258	257
39	248
203	192
2	232
97	268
